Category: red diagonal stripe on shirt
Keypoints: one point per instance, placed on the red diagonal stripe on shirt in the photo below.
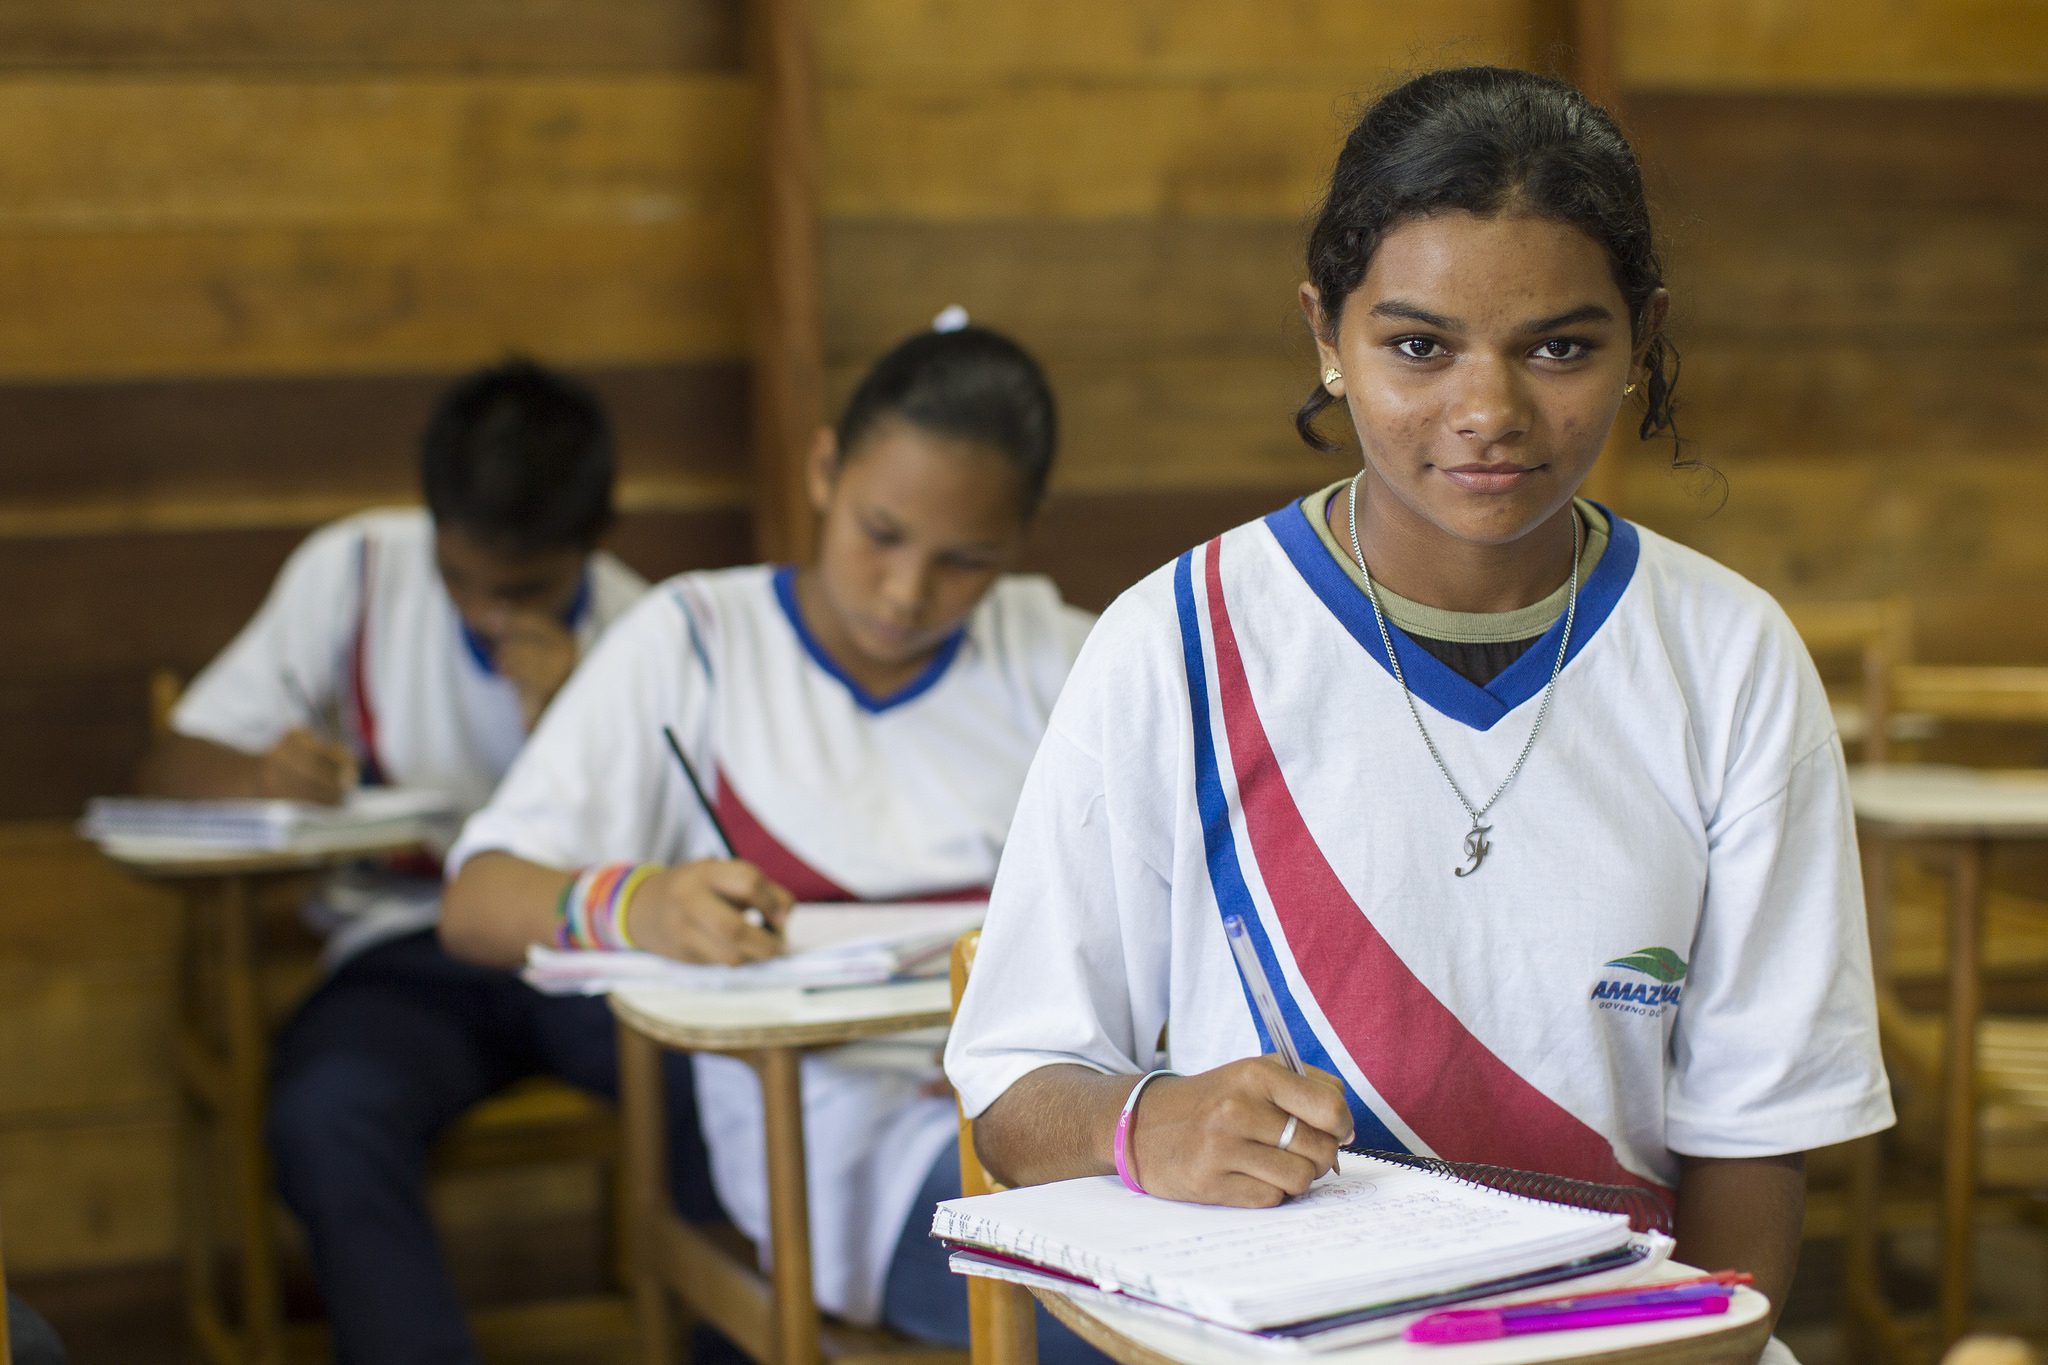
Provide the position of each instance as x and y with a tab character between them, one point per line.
1446	1085
752	841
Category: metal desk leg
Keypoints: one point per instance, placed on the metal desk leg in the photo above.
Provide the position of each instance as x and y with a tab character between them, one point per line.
645	1122
1959	1086
246	1053
789	1215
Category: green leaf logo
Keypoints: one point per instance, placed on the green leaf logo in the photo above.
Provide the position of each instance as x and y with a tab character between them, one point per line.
1659	964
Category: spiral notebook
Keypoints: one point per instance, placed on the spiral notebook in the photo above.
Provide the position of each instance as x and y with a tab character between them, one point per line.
1377	1232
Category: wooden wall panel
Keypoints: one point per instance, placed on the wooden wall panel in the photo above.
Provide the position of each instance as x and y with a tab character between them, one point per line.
243	245
142	454
1099	543
167	153
311	35
1334	44
291	301
1119	289
1909	46
1858	283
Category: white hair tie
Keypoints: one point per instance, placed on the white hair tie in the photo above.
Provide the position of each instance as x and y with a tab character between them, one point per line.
951	318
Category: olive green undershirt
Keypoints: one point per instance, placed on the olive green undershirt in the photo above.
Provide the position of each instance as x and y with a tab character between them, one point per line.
1478	644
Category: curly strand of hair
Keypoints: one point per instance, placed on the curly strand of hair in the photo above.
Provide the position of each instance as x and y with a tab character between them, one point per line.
1319	401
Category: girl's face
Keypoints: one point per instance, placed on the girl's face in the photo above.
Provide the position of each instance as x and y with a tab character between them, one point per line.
1483	361
915	527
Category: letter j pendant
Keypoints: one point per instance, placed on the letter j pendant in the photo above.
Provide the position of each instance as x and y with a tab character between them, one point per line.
1476	848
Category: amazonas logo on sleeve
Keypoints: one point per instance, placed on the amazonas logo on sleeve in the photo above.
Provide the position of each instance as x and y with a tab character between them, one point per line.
1656	985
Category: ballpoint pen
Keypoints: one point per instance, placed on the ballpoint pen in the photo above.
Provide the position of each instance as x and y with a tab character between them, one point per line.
751	915
1261	990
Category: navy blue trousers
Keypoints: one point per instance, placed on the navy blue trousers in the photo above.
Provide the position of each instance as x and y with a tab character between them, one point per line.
923	1299
380	1060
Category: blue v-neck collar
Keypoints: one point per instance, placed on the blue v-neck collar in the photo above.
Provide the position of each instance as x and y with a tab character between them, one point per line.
942	658
1430	678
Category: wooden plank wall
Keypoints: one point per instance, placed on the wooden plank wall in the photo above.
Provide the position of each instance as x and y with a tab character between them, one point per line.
243	241
1859	258
1123	187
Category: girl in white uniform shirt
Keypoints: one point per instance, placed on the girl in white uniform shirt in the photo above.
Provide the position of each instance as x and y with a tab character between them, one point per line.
864	722
1566	883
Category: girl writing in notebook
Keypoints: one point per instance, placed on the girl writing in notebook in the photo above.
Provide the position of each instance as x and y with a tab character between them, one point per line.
862	724
1537	820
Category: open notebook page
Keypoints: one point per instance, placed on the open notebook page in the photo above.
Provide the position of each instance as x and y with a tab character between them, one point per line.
826	945
1372	1232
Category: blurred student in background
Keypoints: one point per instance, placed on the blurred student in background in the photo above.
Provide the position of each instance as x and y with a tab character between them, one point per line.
416	648
863	722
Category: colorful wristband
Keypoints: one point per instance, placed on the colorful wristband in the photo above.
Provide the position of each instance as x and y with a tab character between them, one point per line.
592	910
1123	1130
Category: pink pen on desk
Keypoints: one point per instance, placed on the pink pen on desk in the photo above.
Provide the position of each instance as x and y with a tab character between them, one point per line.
1488	1324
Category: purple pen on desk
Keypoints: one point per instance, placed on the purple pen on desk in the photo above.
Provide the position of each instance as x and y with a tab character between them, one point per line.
1488	1324
1261	990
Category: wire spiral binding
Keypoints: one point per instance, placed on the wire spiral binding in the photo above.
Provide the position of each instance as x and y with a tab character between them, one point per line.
1647	1210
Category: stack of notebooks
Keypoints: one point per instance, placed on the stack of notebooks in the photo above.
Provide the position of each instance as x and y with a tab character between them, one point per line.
1368	1250
827	947
149	828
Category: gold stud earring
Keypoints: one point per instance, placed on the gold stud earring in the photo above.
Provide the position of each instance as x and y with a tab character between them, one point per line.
1627	389
1331	376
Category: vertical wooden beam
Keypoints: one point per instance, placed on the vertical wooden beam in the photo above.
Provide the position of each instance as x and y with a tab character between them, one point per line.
788	325
1589	33
1592	36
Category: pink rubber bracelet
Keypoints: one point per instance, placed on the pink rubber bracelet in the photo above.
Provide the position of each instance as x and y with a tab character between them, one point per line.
1123	1129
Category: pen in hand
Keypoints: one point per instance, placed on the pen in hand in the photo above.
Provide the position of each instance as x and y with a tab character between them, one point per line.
1261	990
751	915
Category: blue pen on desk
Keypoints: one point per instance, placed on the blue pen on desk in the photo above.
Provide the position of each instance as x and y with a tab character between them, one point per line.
1261	989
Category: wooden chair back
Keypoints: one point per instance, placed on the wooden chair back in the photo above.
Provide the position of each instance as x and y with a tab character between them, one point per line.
1002	1321
1873	637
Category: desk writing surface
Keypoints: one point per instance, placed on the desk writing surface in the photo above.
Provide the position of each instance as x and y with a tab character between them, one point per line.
1946	802
1156	1337
713	1020
167	858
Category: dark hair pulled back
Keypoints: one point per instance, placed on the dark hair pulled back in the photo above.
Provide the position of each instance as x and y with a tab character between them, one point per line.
972	384
1489	140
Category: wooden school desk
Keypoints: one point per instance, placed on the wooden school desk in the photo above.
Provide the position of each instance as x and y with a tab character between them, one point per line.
1960	814
223	1060
774	1318
1733	1338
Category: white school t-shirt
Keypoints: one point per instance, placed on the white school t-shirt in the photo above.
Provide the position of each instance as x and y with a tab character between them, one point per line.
838	796
360	626
1664	951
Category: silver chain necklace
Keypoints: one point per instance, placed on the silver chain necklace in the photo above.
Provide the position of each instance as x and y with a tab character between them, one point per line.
1476	844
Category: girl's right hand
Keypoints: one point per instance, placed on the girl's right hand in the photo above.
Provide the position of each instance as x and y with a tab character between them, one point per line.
1213	1138
698	912
304	766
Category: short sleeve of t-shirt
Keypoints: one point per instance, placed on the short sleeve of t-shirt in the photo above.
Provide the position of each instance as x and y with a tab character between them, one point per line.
1775	1047
596	783
1084	868
287	656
